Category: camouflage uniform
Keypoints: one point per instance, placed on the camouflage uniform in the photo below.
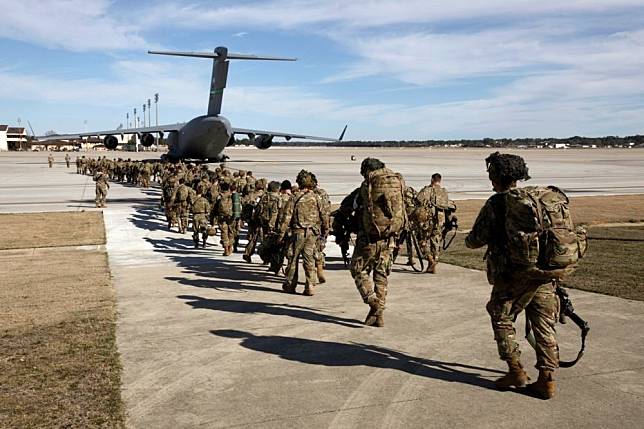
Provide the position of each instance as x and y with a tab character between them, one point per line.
372	257
430	230
50	160
200	208
180	200
67	159
102	185
226	221
319	254
307	220
513	292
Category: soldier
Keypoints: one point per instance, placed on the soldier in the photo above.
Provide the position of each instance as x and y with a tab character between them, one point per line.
432	201
169	187
50	160
251	210
410	206
513	290
200	208
180	200
381	214
307	220
319	254
67	159
264	221
225	218
237	212
102	185
280	245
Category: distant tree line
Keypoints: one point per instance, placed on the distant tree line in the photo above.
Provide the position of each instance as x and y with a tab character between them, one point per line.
572	142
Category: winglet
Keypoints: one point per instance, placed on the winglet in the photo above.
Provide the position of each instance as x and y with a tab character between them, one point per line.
342	134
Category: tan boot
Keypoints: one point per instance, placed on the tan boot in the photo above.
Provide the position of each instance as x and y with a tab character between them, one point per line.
431	265
375	312
288	288
227	250
516	376
309	290
545	386
320	270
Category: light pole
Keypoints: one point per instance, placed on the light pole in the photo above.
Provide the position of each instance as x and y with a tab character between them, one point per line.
127	120
134	119
149	113
144	114
156	107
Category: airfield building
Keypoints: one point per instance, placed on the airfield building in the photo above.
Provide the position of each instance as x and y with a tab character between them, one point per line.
12	138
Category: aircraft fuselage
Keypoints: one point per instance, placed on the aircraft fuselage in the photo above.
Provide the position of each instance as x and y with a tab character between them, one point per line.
204	137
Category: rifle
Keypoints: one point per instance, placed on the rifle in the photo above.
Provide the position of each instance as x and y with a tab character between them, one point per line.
566	310
450	225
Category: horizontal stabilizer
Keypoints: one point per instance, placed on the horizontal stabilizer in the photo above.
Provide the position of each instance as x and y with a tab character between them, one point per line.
219	55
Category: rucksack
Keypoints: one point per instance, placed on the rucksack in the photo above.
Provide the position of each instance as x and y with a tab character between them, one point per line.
268	209
225	206
183	193
306	212
539	229
384	214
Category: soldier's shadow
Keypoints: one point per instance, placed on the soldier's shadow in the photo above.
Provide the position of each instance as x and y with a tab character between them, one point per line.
277	309
328	353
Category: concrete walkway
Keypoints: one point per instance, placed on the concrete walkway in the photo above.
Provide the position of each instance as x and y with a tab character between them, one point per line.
212	341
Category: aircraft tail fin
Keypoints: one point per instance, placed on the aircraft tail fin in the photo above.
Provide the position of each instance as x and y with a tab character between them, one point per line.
220	58
342	134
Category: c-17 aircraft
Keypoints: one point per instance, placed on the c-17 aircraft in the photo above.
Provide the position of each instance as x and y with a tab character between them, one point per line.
204	137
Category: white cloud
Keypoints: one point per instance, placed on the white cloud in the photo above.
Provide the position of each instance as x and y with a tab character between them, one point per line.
75	25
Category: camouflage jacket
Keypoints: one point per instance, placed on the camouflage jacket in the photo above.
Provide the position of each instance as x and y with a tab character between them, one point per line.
305	210
200	206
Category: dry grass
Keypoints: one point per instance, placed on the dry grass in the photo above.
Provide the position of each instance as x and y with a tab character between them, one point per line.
588	210
26	230
59	366
612	265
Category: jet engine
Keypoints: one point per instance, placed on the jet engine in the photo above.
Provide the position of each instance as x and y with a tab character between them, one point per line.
110	142
147	139
263	141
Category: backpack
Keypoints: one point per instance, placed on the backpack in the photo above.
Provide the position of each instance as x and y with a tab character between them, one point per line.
183	193
306	213
225	206
539	229
384	214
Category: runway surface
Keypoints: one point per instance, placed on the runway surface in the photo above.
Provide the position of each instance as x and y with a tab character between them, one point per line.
209	341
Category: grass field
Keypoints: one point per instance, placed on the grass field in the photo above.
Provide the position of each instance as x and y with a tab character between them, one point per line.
59	366
25	230
612	264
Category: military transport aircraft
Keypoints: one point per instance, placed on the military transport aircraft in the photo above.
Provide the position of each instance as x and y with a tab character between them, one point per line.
204	137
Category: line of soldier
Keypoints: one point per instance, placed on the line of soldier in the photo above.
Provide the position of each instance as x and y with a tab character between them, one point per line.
293	223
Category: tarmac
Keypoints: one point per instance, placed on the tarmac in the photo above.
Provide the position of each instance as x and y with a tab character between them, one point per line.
209	341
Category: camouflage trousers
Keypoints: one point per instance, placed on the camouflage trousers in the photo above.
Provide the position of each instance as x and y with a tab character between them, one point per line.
199	225
303	243
101	195
181	210
541	306
170	213
371	258
430	241
227	228
254	232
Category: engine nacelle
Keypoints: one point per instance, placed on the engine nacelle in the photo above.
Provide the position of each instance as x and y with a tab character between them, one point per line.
147	139
263	141
110	142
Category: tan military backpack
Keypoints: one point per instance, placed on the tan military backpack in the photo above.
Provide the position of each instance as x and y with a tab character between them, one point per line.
306	213
384	213
540	232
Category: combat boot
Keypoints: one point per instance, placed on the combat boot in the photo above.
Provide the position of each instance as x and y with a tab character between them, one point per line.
545	386
320	271
287	287
227	250
431	265
246	258
375	311
309	290
516	376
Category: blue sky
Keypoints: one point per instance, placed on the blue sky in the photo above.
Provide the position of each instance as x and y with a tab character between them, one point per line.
416	69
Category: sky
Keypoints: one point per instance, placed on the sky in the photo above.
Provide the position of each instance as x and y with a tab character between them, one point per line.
391	69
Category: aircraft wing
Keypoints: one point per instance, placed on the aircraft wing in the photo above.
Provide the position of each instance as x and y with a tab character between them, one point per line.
287	136
140	130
